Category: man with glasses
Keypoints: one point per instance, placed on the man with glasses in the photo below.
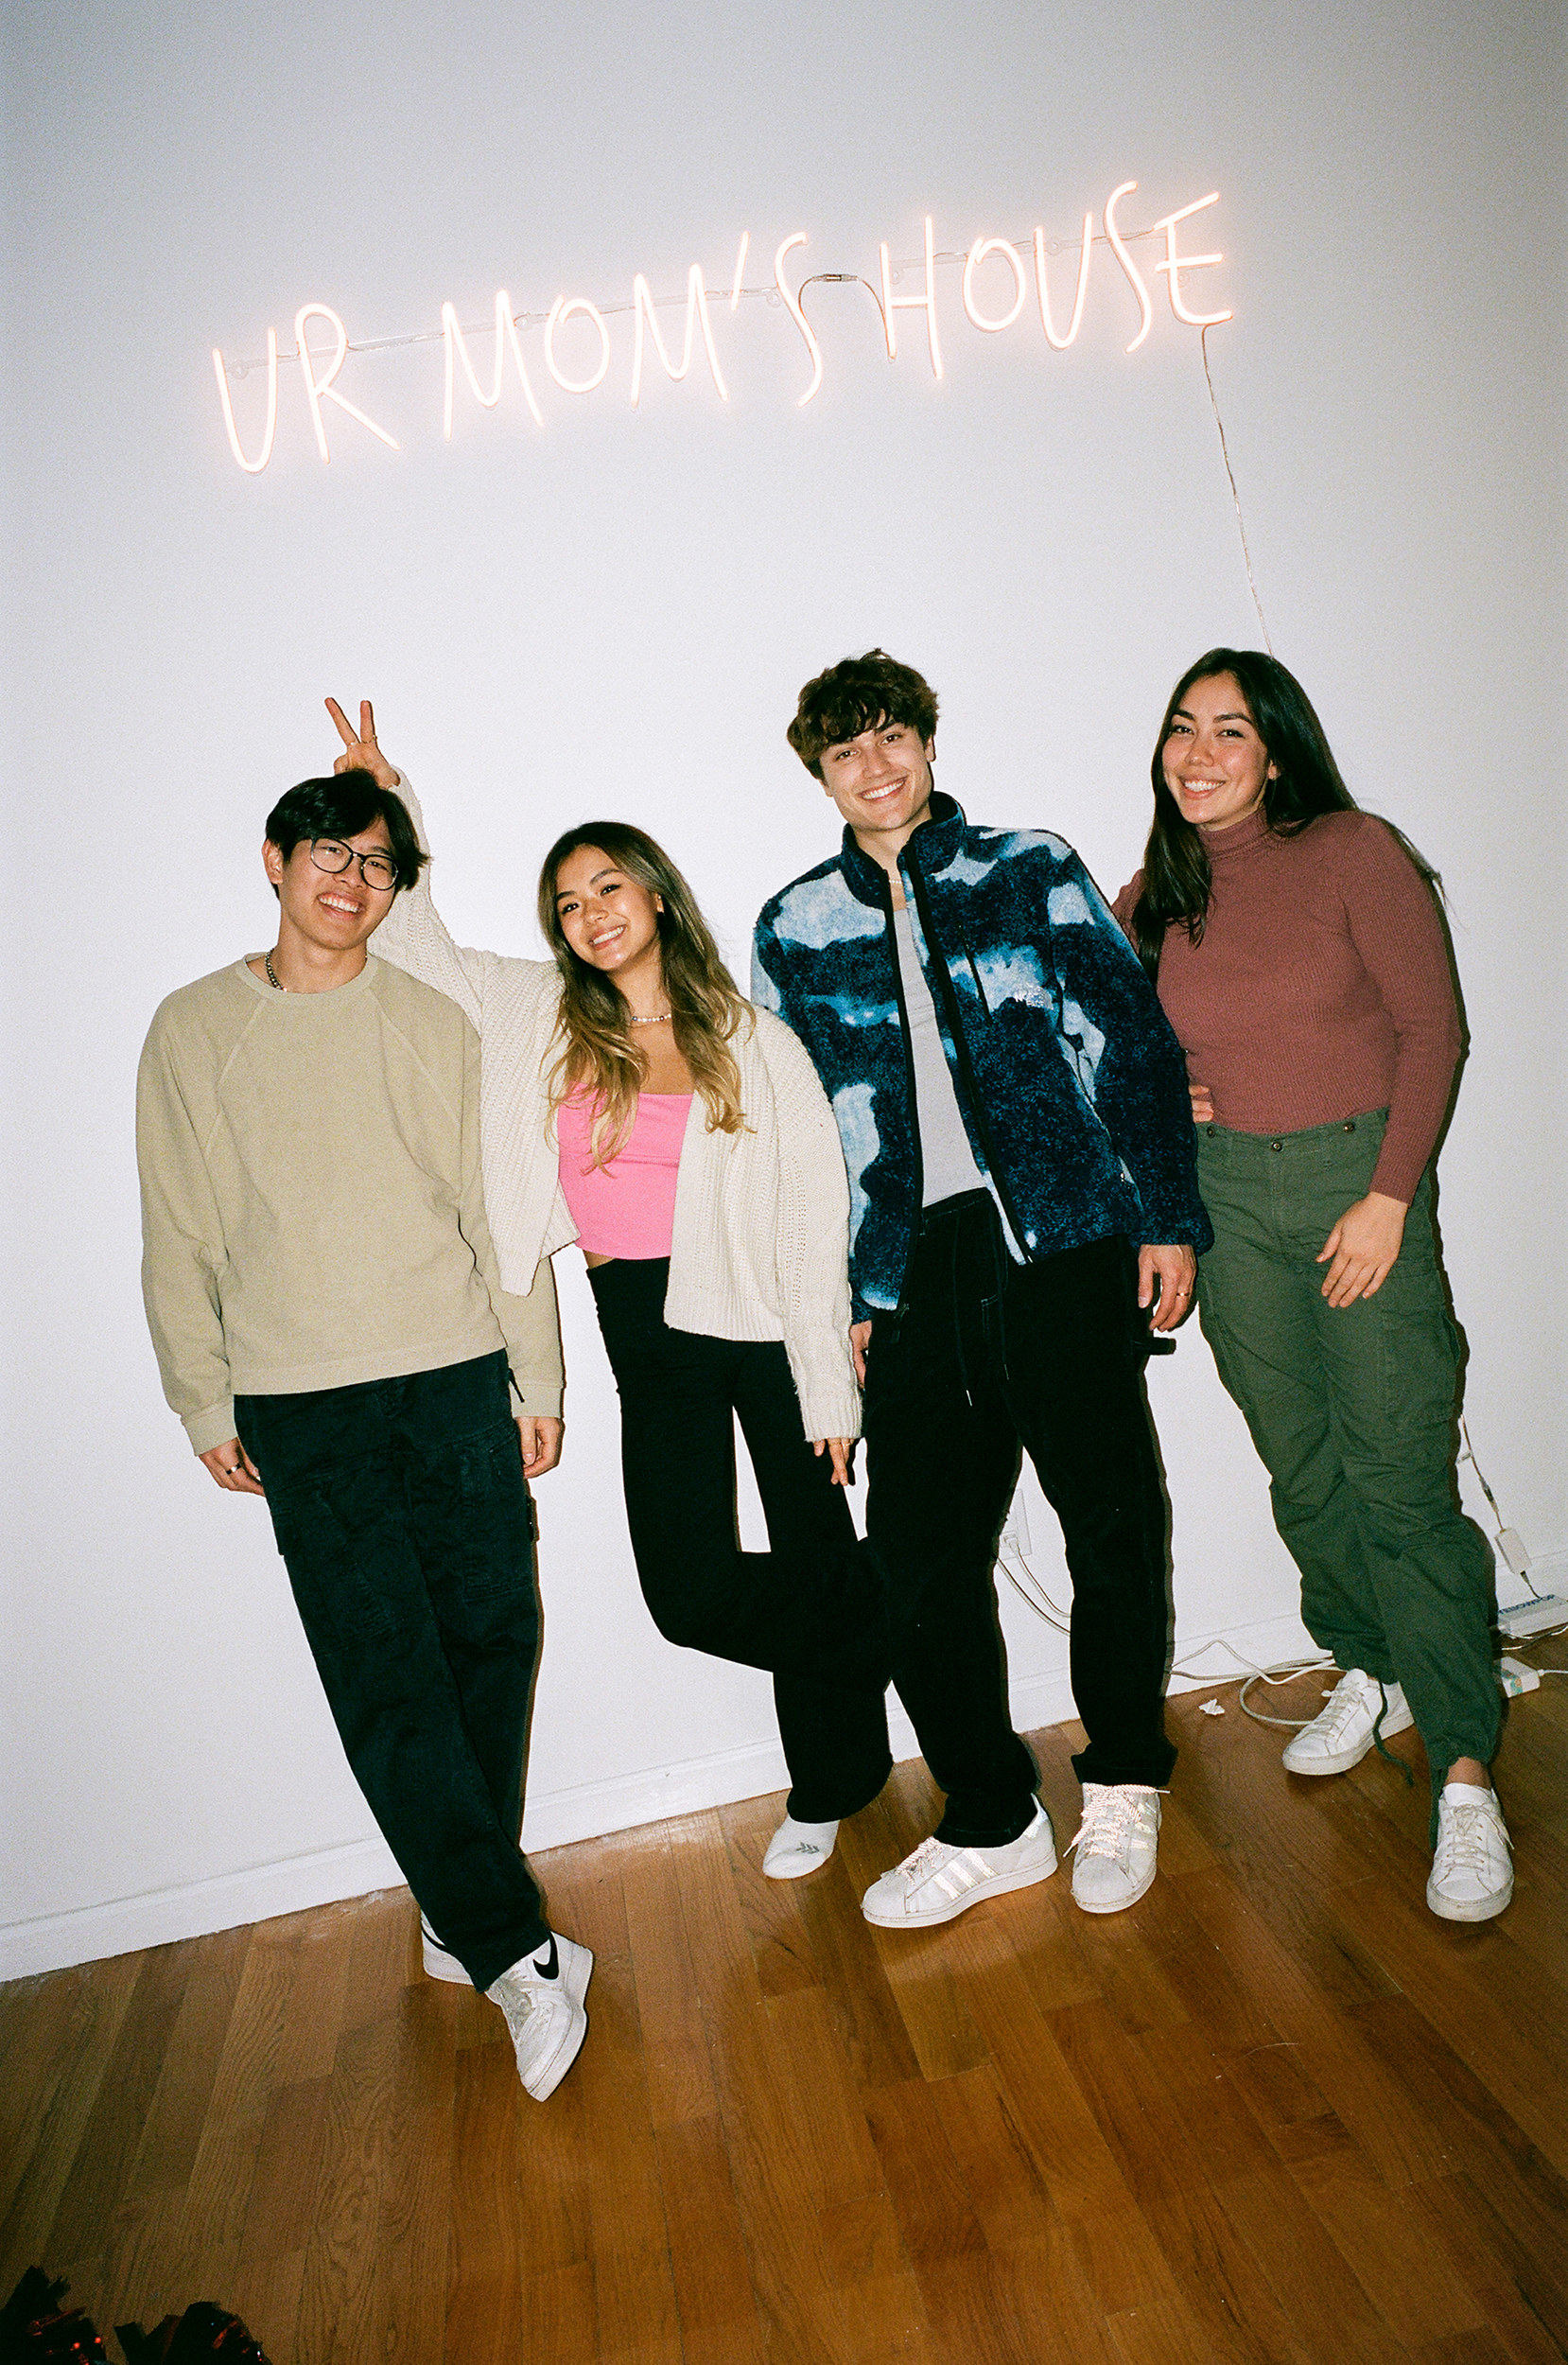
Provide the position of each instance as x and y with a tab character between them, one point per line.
331	1327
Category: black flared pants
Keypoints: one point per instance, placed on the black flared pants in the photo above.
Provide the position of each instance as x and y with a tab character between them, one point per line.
810	1609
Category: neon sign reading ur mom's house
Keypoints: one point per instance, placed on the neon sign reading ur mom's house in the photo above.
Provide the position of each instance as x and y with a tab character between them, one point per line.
993	268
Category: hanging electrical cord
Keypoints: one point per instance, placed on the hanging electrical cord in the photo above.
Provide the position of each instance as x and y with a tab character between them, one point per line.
1240	522
1028	1587
1509	1542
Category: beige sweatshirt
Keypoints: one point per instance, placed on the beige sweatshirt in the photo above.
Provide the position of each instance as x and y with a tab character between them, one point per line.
761	1236
311	1205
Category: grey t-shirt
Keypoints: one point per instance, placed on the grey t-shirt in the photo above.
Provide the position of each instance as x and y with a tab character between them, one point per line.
946	1162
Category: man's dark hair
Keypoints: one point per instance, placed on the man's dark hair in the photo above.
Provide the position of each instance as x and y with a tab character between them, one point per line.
341	805
854	696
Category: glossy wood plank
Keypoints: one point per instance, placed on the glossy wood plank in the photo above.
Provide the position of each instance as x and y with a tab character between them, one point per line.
106	2157
1403	2270
680	2083
1519	2288
714	2292
177	2109
1157	2139
98	1999
1276	2115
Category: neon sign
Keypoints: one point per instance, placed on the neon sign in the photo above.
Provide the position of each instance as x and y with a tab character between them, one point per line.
988	256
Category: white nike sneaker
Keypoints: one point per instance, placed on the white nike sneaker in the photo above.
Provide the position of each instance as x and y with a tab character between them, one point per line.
1341	1736
438	1962
1117	1844
1473	1864
797	1848
542	1998
937	1883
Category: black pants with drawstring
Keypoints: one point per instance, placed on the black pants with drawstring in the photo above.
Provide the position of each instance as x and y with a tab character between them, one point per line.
404	1521
987	1358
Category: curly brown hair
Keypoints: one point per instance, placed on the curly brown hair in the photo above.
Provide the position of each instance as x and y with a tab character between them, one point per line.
854	696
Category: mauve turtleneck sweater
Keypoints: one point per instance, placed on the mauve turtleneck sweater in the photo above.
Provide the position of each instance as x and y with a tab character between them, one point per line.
1321	989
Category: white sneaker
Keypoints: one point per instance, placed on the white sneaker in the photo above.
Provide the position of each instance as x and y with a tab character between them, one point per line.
1118	1844
542	1997
797	1848
438	1962
1473	1864
1340	1738
939	1882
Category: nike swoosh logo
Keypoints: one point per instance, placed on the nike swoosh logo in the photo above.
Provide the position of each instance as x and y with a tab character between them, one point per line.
550	1970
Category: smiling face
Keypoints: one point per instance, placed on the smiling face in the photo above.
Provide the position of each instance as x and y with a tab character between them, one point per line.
332	914
880	781
609	919
1215	765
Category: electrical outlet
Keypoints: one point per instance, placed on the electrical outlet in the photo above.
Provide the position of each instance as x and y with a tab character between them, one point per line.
1015	1530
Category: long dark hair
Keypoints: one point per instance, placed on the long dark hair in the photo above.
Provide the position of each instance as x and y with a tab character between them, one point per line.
596	1049
1177	880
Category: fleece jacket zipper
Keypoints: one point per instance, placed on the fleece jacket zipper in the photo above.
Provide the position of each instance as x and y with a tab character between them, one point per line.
943	983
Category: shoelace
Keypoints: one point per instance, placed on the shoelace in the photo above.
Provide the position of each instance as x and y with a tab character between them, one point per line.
926	1858
1344	1707
1347	1703
1463	1840
1107	1827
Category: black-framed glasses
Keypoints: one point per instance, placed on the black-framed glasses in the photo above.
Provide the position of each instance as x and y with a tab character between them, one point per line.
377	870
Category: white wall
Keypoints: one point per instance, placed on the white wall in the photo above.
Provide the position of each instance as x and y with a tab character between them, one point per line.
616	614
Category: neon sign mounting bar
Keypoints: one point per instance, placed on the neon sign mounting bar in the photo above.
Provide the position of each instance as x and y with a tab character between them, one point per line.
999	255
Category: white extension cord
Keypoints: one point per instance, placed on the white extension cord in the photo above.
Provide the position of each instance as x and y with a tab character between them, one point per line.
1515	1675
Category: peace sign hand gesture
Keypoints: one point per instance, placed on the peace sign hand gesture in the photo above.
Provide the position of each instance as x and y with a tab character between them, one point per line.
360	752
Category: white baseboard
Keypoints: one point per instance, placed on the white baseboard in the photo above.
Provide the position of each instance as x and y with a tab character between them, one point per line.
194	1909
123	1925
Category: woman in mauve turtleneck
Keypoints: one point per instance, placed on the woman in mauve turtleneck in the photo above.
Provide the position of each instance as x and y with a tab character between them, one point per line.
1300	957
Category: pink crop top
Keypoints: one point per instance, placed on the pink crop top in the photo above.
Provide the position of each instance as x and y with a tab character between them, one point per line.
626	1208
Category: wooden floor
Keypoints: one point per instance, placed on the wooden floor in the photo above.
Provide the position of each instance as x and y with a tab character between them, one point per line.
1277	2112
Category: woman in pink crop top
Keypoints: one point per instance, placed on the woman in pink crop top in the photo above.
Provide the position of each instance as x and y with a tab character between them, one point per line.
644	1055
696	1151
1300	955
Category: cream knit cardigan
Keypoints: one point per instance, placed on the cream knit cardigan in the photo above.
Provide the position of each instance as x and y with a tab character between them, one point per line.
762	1233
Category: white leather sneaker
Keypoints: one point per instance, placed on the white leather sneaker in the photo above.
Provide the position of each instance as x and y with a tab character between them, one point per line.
1341	1736
1117	1844
542	1997
438	1962
937	1883
1473	1864
797	1848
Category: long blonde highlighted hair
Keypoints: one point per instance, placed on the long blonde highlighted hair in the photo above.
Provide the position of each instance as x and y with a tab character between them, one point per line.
595	1048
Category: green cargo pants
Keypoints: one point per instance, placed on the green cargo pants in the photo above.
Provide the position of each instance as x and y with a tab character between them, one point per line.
1353	1408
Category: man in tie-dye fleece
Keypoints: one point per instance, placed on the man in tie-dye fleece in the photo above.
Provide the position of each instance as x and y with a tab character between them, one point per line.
1016	1122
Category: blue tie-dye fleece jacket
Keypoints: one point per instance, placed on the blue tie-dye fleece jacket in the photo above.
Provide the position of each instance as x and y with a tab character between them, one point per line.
1072	1086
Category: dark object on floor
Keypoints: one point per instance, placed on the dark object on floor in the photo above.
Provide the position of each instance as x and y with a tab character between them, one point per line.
204	2330
33	2327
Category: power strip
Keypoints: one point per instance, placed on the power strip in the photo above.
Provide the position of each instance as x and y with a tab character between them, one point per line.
1532	1617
